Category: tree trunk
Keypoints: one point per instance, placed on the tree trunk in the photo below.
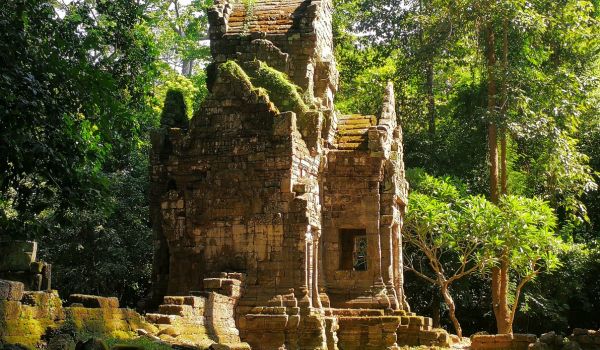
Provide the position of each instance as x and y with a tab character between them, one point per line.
504	173
493	133
187	66
430	97
435	308
452	309
500	296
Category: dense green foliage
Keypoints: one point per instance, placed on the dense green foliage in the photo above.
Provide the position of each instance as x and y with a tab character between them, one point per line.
82	84
458	234
544	99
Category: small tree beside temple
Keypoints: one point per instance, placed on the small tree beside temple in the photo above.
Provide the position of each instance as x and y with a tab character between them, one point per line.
457	235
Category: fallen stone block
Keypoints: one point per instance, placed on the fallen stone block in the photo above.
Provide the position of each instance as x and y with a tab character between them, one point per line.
480	338
11	290
530	338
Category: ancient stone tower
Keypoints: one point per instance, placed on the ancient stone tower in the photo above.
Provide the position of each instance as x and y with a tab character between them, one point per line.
269	186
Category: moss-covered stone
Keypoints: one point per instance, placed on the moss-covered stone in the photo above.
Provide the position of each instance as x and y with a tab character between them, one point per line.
286	95
16	255
232	69
174	113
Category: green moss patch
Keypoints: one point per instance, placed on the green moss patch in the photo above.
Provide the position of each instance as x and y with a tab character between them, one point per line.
286	95
174	113
232	69
138	343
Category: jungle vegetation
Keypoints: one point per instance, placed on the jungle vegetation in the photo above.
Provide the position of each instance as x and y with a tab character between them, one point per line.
498	101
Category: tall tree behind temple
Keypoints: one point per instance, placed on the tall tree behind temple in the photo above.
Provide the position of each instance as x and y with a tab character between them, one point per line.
518	74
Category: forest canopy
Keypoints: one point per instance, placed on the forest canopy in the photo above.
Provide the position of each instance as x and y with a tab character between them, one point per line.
498	101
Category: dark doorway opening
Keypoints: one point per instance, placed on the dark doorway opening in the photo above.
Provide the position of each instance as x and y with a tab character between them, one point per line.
354	249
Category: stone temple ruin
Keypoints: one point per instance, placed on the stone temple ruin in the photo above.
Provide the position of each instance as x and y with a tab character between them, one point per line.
277	221
271	195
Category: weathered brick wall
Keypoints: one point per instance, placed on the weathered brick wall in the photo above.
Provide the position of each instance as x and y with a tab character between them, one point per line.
364	187
301	30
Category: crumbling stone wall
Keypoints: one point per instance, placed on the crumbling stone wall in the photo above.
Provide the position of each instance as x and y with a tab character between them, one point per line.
206	319
268	181
31	317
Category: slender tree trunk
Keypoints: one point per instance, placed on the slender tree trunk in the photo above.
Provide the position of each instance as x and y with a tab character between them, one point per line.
430	97
504	173
493	132
435	308
503	163
451	309
500	296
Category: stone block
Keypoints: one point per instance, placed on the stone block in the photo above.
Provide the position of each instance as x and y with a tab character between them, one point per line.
416	320
11	290
426	342
46	277
571	345
481	338
10	310
504	338
429	335
169	300
585	339
519	345
36	267
538	346
580	331
530	338
484	346
177	310
92	301
548	338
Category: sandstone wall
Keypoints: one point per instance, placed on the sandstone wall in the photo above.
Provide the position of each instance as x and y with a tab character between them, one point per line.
241	199
206	319
301	30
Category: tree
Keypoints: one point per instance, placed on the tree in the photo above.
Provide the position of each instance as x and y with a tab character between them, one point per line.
67	89
453	233
181	33
458	234
528	246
